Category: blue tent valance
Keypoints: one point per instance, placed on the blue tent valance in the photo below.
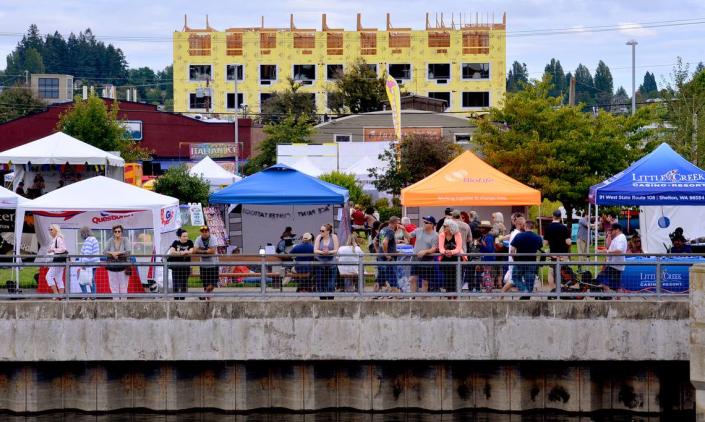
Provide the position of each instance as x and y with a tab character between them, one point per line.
662	177
280	185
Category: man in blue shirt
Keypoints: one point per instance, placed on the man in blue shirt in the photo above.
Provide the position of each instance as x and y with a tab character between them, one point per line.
305	247
526	242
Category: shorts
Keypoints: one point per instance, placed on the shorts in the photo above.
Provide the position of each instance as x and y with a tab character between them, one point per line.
209	276
423	271
610	277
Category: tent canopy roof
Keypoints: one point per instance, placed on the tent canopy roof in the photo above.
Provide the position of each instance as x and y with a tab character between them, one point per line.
213	172
9	199
306	165
662	177
280	185
99	193
59	148
467	180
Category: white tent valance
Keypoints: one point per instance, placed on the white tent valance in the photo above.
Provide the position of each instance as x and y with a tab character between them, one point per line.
9	199
59	148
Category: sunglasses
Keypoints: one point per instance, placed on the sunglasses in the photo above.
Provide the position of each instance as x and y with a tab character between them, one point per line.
117	231
322	231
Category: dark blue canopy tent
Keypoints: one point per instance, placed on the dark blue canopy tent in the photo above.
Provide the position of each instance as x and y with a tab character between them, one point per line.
662	177
280	185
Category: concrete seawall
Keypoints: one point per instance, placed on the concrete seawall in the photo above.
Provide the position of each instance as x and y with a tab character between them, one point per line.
298	330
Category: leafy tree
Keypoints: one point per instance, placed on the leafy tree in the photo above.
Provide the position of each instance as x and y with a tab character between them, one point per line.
584	86
359	90
94	123
421	155
166	82
604	85
558	78
685	110
291	102
349	182
700	67
17	102
517	77
291	129
648	88
141	77
556	149
178	183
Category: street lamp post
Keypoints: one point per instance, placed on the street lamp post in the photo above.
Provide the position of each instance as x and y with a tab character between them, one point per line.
633	43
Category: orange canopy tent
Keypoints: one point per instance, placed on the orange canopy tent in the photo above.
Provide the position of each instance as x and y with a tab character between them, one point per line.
465	181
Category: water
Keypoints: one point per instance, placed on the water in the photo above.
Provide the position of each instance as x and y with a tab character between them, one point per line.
346	416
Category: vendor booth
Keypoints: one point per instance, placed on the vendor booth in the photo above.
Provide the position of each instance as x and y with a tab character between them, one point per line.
670	191
100	203
8	205
264	204
58	160
468	181
216	176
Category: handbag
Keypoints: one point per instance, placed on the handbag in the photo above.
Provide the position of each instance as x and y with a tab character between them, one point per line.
62	256
116	268
85	277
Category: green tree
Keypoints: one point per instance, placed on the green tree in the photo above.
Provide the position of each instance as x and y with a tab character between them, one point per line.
141	77
292	102
584	86
556	149
558	78
648	88
421	155
517	77
178	183
604	85
620	101
17	102
349	182
290	130
359	90
94	123
684	100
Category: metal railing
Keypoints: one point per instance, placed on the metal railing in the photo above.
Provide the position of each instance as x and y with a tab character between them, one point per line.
367	276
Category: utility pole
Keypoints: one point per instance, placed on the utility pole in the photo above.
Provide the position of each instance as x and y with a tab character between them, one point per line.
571	92
26	77
633	43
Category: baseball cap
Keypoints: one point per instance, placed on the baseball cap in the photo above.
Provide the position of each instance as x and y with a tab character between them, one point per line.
448	211
429	219
456	213
307	236
557	213
204	228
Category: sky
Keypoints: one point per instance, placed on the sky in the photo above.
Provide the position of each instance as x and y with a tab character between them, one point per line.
143	29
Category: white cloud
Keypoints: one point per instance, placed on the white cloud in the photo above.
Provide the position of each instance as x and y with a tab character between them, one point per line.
635	30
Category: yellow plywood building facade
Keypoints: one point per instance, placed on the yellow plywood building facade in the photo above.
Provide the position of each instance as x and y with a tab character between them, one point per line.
463	64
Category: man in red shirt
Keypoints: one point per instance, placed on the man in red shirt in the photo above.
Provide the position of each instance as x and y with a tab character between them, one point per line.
358	218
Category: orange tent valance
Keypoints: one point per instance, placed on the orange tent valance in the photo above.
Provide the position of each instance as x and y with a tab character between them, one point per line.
466	181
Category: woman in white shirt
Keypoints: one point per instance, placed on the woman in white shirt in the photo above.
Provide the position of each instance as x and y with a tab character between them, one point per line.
57	248
350	253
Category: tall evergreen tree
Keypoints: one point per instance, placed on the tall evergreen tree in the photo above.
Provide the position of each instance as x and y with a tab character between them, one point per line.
648	89
620	101
517	77
558	78
584	85
604	85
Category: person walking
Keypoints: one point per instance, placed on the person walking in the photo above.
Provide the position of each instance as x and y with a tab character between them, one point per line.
204	246
584	227
526	242
118	249
325	247
450	246
57	249
89	251
180	251
611	275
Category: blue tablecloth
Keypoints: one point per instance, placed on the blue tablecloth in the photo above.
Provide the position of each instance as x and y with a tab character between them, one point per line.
674	278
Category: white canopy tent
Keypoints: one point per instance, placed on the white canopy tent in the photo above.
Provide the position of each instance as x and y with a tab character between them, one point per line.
361	167
59	149
9	199
213	173
99	203
306	166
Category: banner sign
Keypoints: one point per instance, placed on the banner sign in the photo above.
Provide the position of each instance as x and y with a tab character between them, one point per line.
213	150
170	219
7	220
394	97
196	214
97	220
382	134
674	278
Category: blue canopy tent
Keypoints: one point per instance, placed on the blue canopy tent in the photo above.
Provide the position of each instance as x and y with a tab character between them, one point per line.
285	186
280	185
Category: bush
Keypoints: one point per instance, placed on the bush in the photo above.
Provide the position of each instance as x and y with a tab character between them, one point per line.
385	213
177	182
347	181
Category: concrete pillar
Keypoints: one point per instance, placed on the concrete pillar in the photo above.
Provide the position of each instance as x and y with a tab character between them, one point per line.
697	338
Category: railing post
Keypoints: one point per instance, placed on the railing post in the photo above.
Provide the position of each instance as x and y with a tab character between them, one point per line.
165	278
658	277
458	275
263	275
67	277
557	278
360	275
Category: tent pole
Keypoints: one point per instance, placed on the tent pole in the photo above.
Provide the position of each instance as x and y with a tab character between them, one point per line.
597	216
